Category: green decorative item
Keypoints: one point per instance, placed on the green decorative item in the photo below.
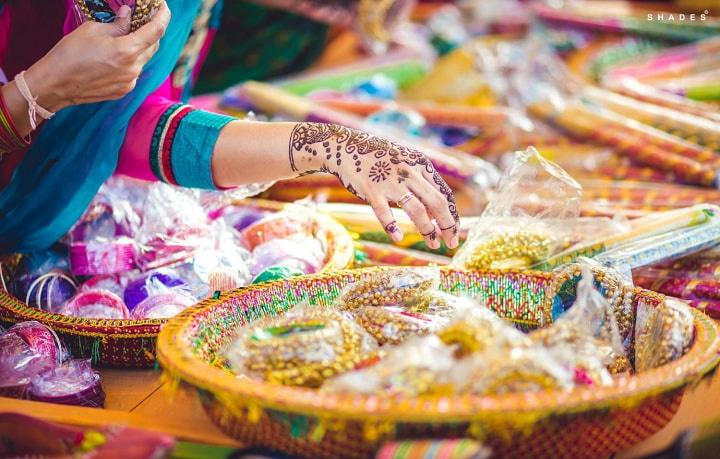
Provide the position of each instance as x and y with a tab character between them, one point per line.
276	273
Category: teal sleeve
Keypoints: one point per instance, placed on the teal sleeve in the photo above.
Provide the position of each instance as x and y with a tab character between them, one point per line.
193	146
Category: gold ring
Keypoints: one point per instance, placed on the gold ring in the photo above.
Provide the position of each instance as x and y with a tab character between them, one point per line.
404	199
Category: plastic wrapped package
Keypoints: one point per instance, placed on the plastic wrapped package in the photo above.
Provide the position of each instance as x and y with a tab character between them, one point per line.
419	366
278	226
663	333
101	241
167	235
520	369
162	306
388	287
476	329
586	337
71	383
515	229
303	347
425	313
96	304
152	283
676	243
26	349
105	11
112	283
222	264
614	287
299	251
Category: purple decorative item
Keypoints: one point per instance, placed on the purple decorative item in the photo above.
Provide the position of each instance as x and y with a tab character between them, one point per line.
162	306
244	218
96	304
72	383
51	291
304	254
154	282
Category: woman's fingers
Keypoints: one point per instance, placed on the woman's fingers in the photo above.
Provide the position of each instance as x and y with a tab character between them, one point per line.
438	207
384	215
419	215
149	34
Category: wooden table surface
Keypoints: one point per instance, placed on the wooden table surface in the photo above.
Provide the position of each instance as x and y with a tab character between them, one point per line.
140	398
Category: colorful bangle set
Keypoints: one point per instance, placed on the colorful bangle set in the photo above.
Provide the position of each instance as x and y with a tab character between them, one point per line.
10	138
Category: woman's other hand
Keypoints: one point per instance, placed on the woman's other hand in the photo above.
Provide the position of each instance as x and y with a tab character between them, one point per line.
380	172
96	62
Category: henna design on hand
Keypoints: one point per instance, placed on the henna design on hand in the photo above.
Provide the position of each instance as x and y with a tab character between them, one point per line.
380	171
391	227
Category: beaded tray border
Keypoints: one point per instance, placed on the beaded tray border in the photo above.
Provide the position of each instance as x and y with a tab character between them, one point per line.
181	362
131	343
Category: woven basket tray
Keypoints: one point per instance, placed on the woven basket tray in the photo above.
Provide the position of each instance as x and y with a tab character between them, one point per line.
584	422
131	343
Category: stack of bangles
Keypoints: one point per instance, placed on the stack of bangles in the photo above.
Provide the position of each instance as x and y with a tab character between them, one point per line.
10	138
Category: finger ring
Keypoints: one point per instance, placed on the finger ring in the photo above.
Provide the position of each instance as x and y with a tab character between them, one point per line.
404	199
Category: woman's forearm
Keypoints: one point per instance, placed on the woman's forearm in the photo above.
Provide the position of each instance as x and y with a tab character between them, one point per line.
252	152
376	170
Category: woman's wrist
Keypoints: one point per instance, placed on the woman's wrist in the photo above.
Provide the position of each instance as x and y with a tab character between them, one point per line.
43	84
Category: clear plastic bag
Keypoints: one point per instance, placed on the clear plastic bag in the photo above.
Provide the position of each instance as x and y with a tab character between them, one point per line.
71	383
520	369
522	223
587	337
389	287
475	329
663	333
173	228
419	366
303	347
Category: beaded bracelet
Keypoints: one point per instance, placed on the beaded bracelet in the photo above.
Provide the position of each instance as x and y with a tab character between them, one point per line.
10	138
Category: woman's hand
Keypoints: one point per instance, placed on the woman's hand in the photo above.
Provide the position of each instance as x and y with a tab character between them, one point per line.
380	172
96	62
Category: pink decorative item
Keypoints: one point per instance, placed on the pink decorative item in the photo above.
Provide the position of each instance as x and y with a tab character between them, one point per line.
97	304
93	258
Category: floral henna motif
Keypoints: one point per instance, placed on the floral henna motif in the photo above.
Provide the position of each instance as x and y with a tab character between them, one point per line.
432	235
380	171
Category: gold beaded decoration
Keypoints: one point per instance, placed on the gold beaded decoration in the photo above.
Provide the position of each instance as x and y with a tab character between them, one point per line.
303	349
514	250
664	334
142	13
391	287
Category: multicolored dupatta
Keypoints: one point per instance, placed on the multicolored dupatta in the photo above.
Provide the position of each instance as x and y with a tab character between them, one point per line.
77	150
